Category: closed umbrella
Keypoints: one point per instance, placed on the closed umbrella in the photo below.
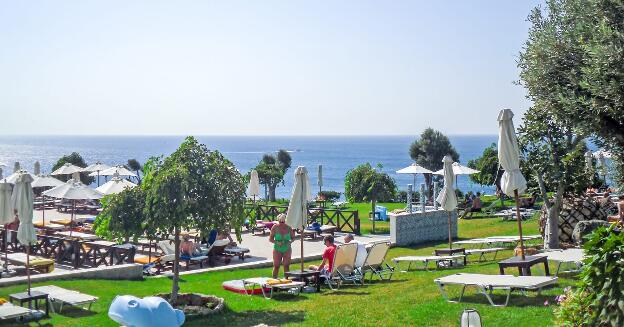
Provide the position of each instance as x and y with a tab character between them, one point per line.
115	185
74	190
37	168
16	167
6	214
67	169
447	198
414	170
45	181
97	168
253	189
320	178
22	201
11	179
297	214
512	182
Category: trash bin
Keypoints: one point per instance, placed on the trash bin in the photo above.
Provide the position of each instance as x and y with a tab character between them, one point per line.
381	212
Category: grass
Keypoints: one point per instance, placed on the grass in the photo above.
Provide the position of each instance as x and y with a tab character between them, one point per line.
409	299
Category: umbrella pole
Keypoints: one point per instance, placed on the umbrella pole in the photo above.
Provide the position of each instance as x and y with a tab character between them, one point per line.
28	266
302	229
71	223
6	248
449	230
43	211
519	218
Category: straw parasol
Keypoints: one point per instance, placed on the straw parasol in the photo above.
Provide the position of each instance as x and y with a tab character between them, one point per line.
512	181
115	185
22	201
447	198
297	214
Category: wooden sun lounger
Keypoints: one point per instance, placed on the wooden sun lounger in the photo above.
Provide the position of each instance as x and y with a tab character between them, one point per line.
485	284
64	296
451	259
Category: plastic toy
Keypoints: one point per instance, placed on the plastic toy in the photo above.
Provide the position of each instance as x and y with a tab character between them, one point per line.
152	311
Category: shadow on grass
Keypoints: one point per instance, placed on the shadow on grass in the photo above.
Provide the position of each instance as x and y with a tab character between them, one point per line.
248	318
516	299
345	292
75	312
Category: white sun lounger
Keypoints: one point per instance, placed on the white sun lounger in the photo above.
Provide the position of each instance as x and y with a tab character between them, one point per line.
485	284
10	311
344	267
483	251
64	296
573	257
452	259
375	262
250	285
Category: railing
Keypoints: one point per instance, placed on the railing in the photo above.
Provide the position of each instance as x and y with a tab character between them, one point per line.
72	252
347	221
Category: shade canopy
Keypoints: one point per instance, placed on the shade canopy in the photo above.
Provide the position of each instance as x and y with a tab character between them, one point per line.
98	166
6	208
459	169
11	179
46	181
298	206
115	185
447	198
67	169
509	155
253	189
119	170
22	200
414	169
73	190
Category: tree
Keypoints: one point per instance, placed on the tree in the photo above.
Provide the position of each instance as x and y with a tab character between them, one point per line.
428	152
134	164
192	188
489	173
572	60
364	183
271	171
75	159
556	156
122	215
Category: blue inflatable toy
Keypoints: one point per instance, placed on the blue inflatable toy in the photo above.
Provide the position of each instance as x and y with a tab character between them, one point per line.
151	311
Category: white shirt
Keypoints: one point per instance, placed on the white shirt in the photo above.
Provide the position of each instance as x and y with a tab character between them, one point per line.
361	253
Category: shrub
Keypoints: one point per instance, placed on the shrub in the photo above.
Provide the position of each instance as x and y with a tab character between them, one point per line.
364	183
402	196
574	308
330	195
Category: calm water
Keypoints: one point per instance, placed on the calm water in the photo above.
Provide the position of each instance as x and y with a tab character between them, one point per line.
337	154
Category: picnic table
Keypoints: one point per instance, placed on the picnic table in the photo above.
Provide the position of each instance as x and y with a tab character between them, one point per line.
78	235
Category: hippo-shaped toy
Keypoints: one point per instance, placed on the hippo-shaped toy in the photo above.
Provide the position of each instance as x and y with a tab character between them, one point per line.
151	311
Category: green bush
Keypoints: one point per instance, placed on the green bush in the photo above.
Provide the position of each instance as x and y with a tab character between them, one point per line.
574	308
330	195
365	183
402	197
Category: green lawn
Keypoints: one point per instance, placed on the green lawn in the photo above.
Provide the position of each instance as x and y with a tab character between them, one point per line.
409	299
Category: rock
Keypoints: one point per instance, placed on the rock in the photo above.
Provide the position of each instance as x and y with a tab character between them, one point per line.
586	227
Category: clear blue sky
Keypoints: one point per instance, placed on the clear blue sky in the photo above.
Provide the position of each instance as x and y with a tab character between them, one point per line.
259	67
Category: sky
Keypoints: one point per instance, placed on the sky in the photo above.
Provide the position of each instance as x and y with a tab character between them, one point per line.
259	67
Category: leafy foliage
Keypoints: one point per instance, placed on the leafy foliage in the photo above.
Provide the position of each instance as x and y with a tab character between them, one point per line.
122	215
330	195
134	164
428	152
192	188
364	183
489	172
271	171
574	308
75	159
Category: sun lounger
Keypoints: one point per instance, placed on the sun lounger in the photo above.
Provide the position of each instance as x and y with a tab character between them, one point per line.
483	251
40	264
250	285
168	248
485	284
375	262
572	257
344	267
9	311
64	296
438	259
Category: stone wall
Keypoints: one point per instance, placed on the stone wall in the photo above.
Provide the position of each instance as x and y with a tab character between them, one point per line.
131	271
421	227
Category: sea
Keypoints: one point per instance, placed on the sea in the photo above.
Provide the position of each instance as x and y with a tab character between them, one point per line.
337	154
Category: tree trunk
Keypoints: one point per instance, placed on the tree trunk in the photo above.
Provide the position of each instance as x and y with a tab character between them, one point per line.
373	203
553	219
272	192
176	271
429	183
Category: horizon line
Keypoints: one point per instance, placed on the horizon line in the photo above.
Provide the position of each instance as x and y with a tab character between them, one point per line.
232	135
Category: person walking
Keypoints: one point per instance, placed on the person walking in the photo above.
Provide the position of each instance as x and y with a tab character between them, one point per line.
281	236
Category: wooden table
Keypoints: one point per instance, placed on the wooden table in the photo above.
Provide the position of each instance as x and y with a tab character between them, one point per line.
34	296
524	266
79	235
450	252
307	276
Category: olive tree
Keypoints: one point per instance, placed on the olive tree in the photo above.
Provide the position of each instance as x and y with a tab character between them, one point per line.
428	152
364	183
75	159
192	188
271	171
122	215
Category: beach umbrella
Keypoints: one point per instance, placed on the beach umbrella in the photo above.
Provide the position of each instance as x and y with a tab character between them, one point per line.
74	190
11	179
119	170
253	189
22	201
320	178
458	169
6	214
512	182
297	215
67	169
447	198
115	185
45	181
37	169
97	168
414	169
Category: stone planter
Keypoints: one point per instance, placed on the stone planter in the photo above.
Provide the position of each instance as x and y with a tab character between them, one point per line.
196	304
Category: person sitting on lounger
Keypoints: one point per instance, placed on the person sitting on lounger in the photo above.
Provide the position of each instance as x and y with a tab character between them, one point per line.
620	215
188	247
327	265
224	234
476	203
361	251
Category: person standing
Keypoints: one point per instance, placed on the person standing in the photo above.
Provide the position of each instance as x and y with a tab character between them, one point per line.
281	236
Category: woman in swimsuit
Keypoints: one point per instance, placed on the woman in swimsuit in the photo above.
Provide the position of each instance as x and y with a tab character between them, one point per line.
281	236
